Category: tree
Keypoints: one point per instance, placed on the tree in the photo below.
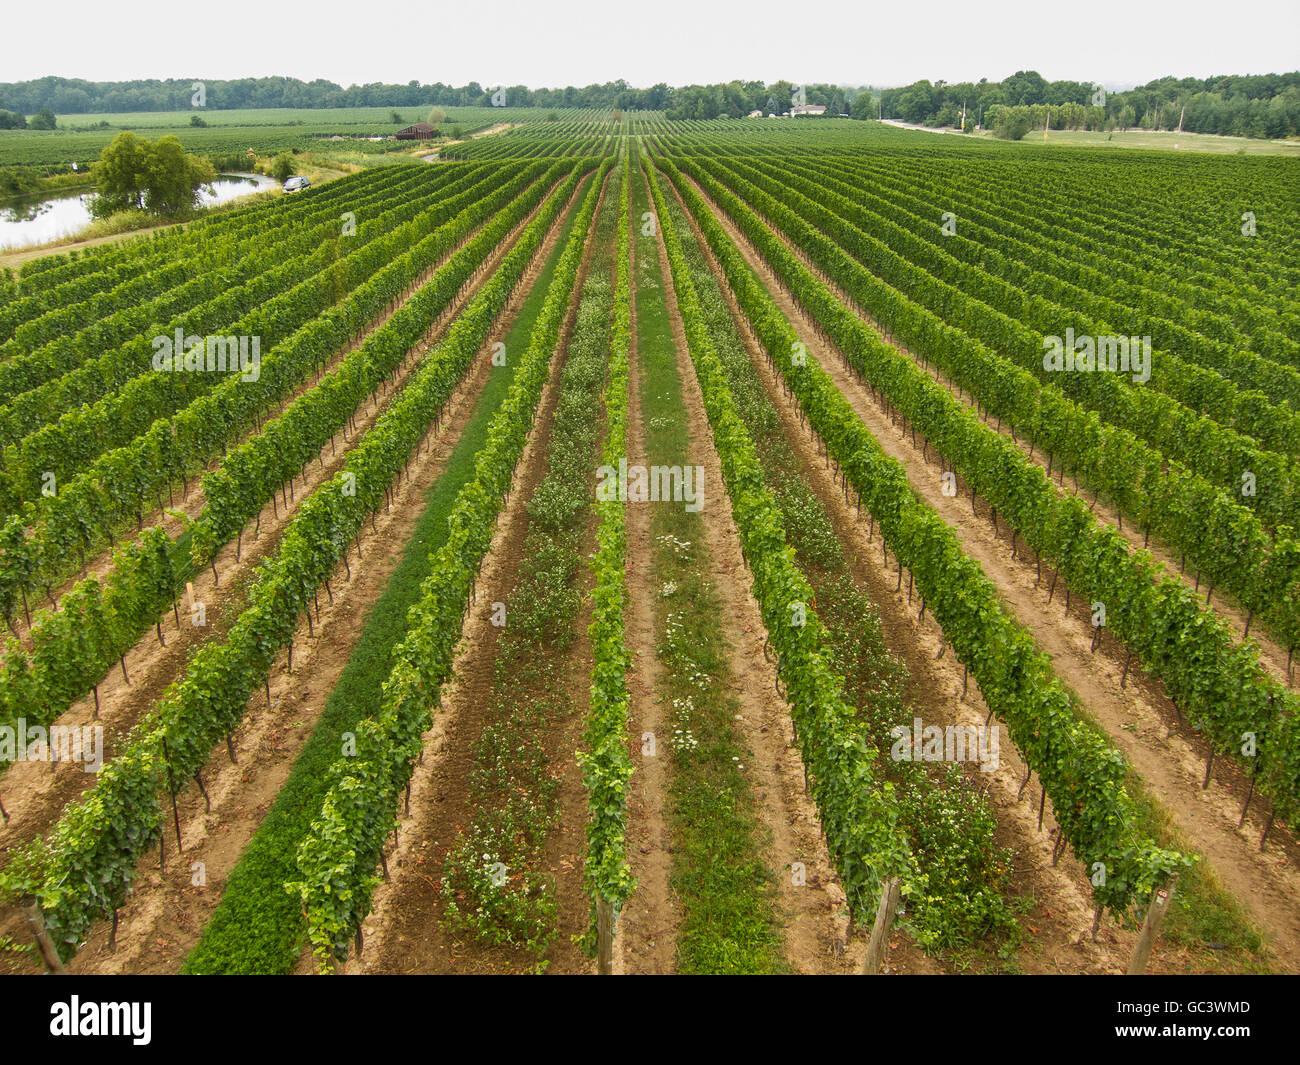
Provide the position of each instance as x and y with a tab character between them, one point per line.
196	120
174	177
1025	87
1012	123
43	119
437	116
864	107
121	174
282	167
159	177
15	180
915	104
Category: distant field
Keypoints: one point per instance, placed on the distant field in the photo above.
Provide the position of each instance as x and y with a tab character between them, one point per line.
1141	138
284	116
228	132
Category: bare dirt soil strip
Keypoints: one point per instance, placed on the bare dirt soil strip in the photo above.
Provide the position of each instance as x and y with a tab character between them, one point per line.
1267	884
34	792
645	940
404	933
167	912
813	914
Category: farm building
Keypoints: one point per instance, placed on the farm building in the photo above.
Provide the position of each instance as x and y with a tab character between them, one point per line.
421	131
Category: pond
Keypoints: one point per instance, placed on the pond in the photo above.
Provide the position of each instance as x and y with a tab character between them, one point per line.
40	219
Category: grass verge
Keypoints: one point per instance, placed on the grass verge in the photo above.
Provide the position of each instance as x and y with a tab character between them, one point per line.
726	890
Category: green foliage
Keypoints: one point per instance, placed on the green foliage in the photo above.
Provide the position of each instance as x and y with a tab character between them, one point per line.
14	181
35	547
121	174
174	178
720	875
258	927
159	177
1251	106
282	167
950	828
1012	123
202	708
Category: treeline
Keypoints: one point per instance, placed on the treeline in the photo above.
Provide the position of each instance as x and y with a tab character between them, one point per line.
1262	105
74	96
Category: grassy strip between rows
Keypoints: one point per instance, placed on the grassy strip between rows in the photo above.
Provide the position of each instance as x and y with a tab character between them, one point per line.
719	872
258	926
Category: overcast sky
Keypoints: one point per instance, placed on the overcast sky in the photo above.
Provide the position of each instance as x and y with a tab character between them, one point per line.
576	42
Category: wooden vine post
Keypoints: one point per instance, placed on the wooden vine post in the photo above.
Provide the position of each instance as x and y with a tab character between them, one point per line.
1151	928
604	936
889	894
32	911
